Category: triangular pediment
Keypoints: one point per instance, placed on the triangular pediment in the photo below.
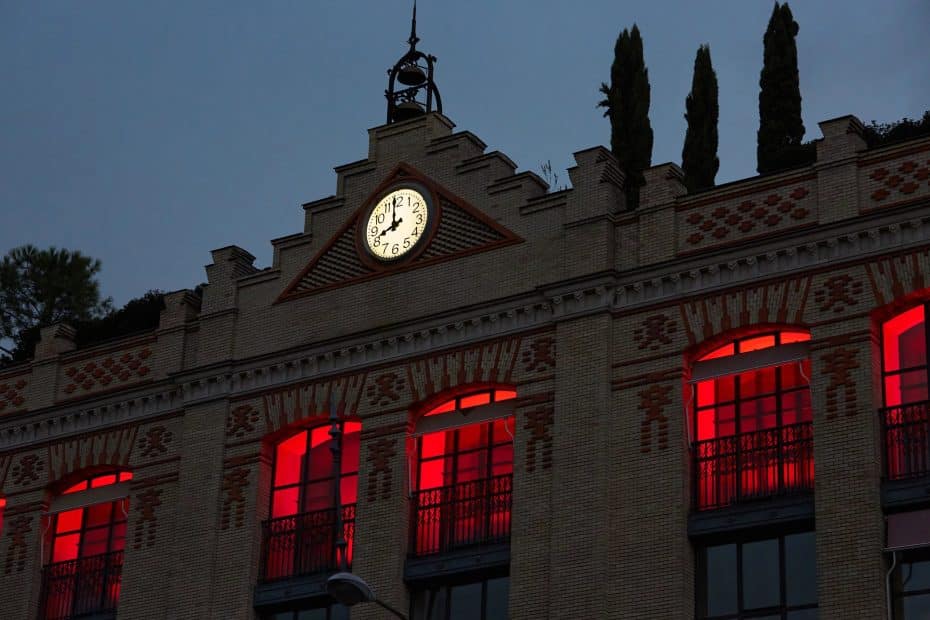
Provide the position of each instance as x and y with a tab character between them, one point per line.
461	230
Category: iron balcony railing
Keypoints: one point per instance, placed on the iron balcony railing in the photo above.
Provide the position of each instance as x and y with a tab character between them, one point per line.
907	440
460	515
750	466
81	588
305	544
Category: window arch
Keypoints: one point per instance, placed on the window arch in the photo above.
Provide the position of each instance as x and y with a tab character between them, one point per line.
751	418
86	538
300	537
463	470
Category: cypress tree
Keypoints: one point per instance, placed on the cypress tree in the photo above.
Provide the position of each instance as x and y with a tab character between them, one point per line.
780	125
699	155
627	106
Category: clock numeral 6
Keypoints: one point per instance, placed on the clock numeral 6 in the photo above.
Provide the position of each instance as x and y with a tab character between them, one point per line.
395	249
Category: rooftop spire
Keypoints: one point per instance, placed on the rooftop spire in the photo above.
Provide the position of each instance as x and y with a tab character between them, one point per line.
414	39
411	91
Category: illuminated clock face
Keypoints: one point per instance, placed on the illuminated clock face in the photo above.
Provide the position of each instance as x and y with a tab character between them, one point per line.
396	224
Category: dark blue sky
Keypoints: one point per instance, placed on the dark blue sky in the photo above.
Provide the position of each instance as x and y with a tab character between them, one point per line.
148	133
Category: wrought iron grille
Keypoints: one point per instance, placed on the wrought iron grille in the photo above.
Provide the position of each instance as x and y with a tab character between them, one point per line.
907	440
749	466
81	587
304	544
459	515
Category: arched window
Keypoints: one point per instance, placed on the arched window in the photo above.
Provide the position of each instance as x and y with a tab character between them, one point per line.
906	415
463	471
87	534
752	419
301	536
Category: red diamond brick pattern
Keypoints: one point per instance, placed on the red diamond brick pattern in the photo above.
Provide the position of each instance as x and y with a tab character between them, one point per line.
107	372
900	180
12	395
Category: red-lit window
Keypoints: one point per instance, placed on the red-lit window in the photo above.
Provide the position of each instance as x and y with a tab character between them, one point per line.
87	542
752	419
463	473
301	536
906	416
2	507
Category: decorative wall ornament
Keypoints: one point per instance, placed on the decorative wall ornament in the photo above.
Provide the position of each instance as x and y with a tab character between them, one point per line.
145	504
900	178
491	362
17	548
107	371
242	421
895	277
235	482
380	453
155	441
540	355
307	400
653	401
838	293
27	470
385	389
655	331
837	366
12	394
104	448
539	423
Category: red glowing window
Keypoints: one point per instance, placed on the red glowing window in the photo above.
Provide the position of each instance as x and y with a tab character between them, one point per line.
463	477
752	426
2	507
302	533
904	357
86	553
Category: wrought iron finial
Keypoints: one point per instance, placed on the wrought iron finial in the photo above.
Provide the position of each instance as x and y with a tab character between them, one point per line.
414	39
411	90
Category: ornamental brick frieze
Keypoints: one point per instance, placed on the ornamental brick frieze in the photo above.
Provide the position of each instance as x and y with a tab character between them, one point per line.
654	332
243	420
380	454
538	421
27	471
13	393
840	392
653	431
539	354
895	277
838	293
112	447
491	362
155	441
723	219
898	180
778	302
313	399
106	372
17	530
145	529
385	389
237	472
5	461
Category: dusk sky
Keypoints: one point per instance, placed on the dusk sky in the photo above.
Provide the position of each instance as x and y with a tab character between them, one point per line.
148	133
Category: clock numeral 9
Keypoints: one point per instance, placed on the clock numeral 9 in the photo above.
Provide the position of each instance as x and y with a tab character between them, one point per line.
373	230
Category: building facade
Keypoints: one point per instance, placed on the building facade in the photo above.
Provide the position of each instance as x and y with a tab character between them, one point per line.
546	405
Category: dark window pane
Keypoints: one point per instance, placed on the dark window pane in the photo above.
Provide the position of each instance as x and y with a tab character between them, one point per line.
803	614
760	574
498	598
914	576
465	602
800	569
720	579
312	614
916	607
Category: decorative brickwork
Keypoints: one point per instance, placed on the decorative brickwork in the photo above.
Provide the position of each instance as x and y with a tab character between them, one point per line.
146	525
235	482
539	424
656	330
17	548
107	372
155	441
726	221
242	421
492	362
105	448
895	277
653	401
380	453
12	394
838	293
385	389
838	365
284	407
780	302
900	179
540	355
27	470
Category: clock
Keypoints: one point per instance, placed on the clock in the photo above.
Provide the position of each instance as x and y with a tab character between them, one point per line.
397	223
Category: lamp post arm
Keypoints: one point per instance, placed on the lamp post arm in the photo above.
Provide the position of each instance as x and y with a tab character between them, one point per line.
390	609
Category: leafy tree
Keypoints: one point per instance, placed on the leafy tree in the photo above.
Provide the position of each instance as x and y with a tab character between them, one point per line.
41	287
699	155
880	134
626	100
138	315
780	125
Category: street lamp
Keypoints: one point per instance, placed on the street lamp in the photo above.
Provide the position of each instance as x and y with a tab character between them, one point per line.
349	590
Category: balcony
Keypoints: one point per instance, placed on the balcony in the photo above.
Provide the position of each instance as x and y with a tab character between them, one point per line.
738	469
304	544
906	431
82	588
462	515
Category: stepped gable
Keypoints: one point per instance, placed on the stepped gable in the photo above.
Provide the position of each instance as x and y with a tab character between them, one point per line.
462	230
